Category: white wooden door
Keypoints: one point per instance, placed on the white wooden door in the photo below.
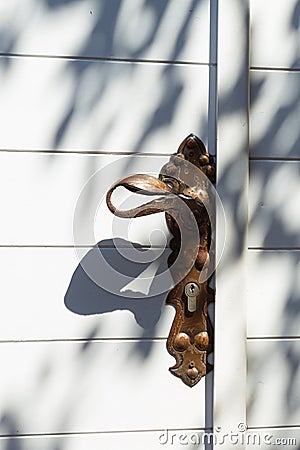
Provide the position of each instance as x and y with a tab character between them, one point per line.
85	85
92	91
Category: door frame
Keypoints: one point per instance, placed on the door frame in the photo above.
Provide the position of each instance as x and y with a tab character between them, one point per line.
232	120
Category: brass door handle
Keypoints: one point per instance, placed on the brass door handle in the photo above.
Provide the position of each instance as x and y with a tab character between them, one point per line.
183	187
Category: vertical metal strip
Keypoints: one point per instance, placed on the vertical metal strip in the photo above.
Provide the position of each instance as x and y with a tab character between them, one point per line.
212	143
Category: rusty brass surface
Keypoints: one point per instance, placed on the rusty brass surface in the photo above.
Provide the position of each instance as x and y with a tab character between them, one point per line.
191	335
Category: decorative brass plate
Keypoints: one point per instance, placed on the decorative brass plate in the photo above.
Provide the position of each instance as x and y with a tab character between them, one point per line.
191	335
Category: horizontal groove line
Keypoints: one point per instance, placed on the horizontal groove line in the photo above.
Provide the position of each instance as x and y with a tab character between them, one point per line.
275	249
83	152
83	246
264	249
107	59
274	69
83	340
274	158
273	338
274	427
83	433
130	339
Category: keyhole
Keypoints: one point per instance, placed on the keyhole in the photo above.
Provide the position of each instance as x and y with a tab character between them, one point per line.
191	291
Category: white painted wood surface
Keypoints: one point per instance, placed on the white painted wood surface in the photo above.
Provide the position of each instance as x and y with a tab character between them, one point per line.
273	293
46	190
273	383
173	31
86	366
152	440
105	106
57	387
274	204
47	295
274	114
273	267
275	36
90	92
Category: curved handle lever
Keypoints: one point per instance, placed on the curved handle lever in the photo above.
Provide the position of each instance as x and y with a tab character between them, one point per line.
184	180
145	185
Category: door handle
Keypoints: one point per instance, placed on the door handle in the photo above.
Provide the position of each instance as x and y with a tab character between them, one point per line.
185	196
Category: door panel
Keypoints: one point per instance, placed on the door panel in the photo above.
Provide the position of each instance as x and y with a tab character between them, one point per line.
273	384
273	293
48	189
106	106
154	440
125	29
274	202
274	114
275	42
71	387
48	295
84	84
